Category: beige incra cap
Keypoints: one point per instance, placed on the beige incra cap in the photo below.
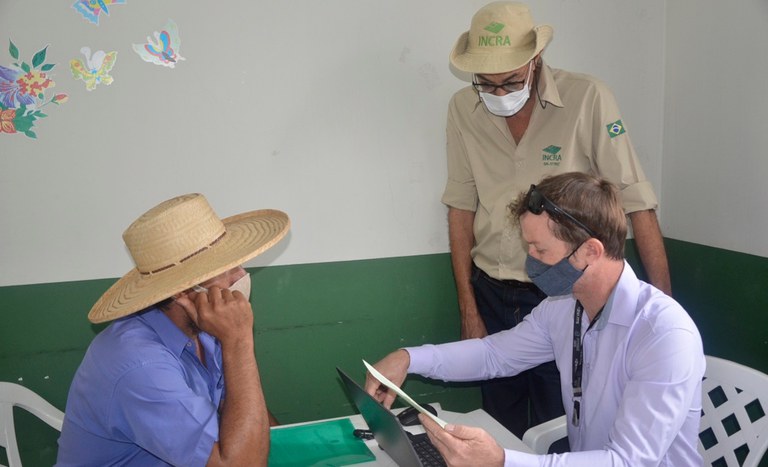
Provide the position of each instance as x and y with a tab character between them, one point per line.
501	38
180	243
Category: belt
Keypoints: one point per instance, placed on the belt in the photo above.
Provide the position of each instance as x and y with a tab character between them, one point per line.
509	282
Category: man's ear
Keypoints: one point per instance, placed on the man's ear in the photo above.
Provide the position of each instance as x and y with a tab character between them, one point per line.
183	294
594	250
186	301
185	297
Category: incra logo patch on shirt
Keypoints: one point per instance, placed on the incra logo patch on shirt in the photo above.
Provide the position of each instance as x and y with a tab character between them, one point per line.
551	155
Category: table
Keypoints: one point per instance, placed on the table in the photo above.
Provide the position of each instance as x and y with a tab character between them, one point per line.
478	418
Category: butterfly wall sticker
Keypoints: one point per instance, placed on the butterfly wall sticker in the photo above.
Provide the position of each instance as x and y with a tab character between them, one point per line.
164	49
95	70
92	9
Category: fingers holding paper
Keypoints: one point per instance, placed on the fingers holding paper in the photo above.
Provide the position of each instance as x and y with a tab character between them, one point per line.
395	368
462	445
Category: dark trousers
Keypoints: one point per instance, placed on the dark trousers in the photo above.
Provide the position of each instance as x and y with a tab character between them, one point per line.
533	396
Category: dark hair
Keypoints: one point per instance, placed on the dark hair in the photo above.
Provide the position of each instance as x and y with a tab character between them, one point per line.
591	200
163	304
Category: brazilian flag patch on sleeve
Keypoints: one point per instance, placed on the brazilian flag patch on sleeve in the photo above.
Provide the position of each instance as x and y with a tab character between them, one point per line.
615	129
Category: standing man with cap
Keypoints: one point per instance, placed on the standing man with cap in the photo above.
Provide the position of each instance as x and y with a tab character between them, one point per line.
519	121
174	380
631	359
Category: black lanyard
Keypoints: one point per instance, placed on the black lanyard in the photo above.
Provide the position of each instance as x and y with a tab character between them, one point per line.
578	358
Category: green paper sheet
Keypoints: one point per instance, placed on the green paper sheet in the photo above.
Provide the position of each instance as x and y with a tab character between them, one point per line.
326	444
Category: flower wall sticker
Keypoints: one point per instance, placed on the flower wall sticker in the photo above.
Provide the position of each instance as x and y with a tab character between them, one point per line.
92	9
23	91
96	68
164	49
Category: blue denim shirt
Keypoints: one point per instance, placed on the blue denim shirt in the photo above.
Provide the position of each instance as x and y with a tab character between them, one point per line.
142	397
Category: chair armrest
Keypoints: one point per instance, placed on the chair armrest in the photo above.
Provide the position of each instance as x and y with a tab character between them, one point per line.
540	437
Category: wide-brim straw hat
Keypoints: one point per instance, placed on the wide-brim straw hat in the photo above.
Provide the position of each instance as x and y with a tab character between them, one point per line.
180	243
501	38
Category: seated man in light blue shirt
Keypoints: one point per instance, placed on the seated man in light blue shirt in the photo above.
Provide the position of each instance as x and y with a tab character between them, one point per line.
174	380
630	358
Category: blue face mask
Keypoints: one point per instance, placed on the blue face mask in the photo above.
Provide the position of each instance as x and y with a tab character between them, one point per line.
556	279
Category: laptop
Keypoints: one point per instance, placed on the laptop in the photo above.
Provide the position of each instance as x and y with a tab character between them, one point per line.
406	449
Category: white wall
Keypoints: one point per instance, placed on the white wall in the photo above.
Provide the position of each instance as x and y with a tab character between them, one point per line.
332	111
716	130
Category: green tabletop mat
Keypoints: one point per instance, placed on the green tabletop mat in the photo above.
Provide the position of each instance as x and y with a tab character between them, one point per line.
329	443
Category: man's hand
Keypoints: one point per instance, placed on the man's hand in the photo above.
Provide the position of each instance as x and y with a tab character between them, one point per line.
462	239
395	368
464	445
244	425
221	313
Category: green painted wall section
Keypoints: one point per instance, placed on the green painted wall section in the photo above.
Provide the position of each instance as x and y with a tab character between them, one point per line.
726	293
311	318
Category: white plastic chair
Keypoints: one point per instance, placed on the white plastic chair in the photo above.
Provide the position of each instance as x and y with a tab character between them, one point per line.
540	437
11	395
734	425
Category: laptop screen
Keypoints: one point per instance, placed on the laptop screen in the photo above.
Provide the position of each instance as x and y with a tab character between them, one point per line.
384	424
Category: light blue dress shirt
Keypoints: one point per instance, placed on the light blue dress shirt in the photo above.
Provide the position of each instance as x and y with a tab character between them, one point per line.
142	397
643	365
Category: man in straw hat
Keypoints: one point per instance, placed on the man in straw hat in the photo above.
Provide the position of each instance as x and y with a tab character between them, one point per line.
519	121
631	359
173	380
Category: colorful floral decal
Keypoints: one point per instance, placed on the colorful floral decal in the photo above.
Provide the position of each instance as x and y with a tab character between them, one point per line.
23	91
92	9
95	70
164	49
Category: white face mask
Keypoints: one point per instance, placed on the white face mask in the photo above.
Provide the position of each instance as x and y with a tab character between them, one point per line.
242	285
510	103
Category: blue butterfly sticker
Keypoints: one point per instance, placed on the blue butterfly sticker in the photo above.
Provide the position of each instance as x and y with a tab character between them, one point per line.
164	49
92	9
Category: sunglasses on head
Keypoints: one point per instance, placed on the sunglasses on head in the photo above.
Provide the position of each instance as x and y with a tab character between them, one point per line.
538	203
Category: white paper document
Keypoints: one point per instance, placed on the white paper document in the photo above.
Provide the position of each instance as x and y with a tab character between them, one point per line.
383	380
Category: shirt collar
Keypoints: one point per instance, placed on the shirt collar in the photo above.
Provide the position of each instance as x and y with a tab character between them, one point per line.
166	330
547	88
622	303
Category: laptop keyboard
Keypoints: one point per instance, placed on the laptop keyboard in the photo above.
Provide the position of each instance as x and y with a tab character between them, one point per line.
427	452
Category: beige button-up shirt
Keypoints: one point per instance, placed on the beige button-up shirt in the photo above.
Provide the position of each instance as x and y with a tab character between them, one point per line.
579	129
